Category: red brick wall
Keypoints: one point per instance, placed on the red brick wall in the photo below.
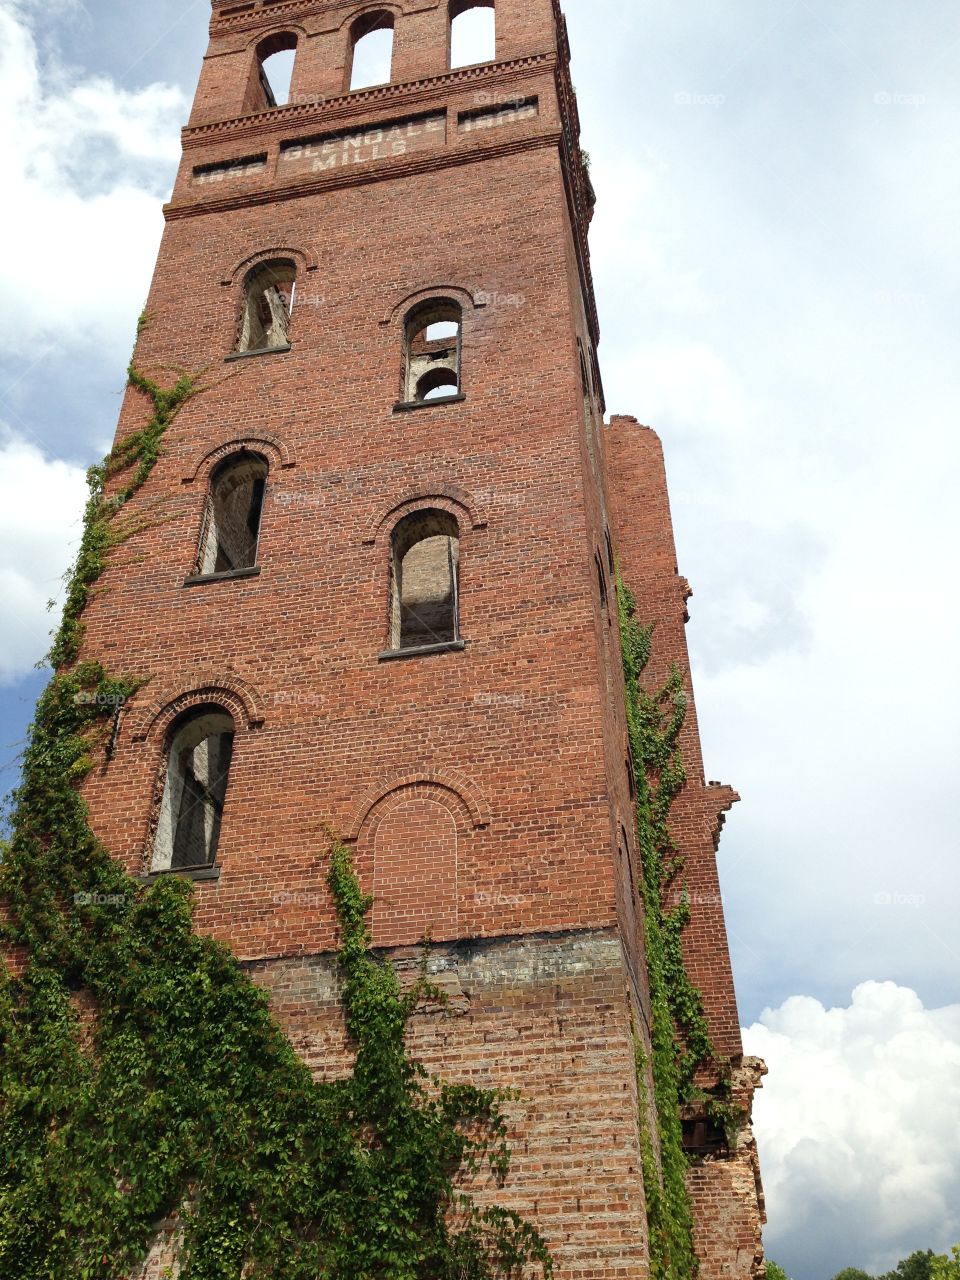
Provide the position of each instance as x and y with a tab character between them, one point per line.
647	553
485	789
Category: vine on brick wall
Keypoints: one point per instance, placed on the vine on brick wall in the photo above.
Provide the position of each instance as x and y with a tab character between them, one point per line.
142	1074
681	1043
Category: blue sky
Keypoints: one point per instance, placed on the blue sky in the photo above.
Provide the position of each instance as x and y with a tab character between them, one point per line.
776	260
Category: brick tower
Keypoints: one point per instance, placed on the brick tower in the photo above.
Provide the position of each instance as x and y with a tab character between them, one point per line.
374	590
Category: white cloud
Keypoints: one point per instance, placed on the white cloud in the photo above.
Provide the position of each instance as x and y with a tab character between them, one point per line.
41	501
84	165
855	1123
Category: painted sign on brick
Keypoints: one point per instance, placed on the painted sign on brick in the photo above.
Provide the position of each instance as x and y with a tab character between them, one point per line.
207	173
386	141
496	117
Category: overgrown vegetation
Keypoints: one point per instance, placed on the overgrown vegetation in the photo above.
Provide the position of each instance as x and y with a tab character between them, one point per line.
142	1073
924	1264
921	1265
136	455
680	1036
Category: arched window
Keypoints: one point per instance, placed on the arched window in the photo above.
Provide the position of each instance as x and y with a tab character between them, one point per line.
432	351
372	50
473	32
268	300
234	507
426	560
275	60
199	750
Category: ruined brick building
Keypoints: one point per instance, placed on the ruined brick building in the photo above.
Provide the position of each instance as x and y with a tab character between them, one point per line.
375	589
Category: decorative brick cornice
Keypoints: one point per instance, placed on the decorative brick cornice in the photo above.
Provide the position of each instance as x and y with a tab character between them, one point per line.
348	106
279	10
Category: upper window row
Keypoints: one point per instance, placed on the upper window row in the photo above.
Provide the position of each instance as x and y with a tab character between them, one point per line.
432	331
473	39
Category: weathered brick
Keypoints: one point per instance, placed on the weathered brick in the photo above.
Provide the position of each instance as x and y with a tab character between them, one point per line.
485	788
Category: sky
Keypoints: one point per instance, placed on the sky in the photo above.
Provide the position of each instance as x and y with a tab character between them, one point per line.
777	263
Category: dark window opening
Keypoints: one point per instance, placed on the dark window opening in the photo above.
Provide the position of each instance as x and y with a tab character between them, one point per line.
433	345
425	573
269	296
703	1137
234	510
194	791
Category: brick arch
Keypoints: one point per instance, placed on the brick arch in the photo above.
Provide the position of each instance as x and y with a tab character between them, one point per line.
277	452
451	788
393	7
151	720
259	38
457	7
447	496
305	259
408	857
426	292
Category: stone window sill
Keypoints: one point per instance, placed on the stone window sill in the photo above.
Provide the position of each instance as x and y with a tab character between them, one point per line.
196	874
261	351
421	650
228	575
408	406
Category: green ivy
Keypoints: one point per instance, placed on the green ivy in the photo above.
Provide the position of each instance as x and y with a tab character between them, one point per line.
138	454
680	1036
142	1074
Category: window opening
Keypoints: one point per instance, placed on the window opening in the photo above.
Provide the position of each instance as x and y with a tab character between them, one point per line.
425	602
234	511
191	808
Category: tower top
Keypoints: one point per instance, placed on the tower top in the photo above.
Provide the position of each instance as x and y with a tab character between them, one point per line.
250	142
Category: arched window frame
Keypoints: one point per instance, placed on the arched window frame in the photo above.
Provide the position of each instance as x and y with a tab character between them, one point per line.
401	542
456	9
210	543
256	284
277	42
191	729
445	355
368	24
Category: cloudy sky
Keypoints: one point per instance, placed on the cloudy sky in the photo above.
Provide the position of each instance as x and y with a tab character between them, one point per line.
776	256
